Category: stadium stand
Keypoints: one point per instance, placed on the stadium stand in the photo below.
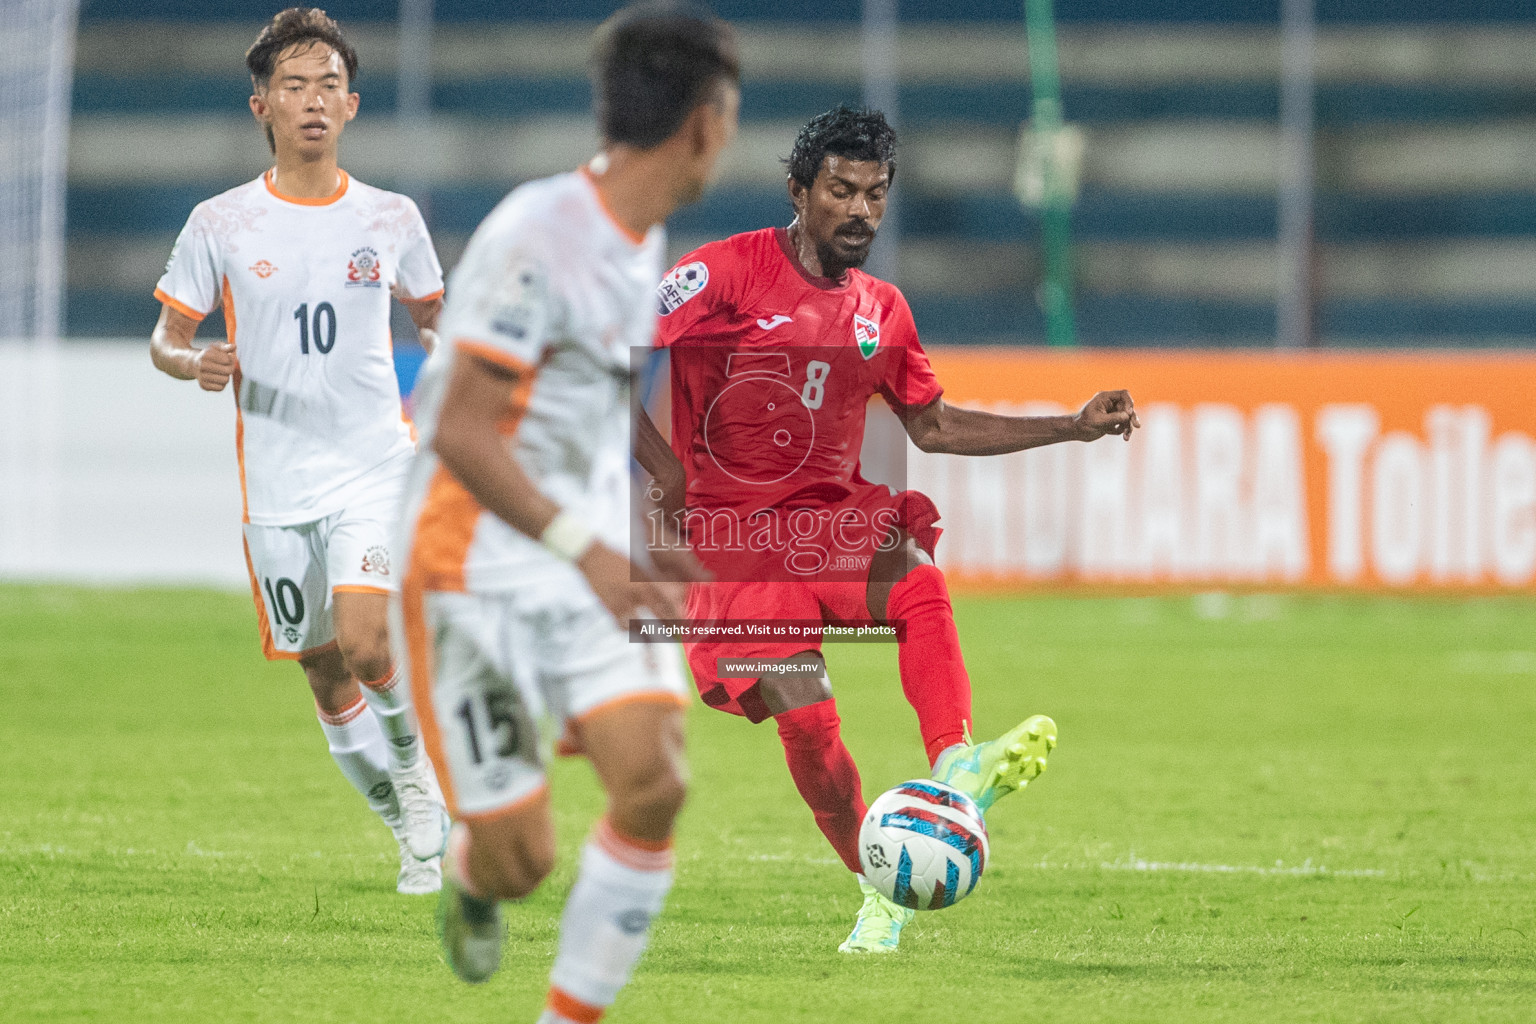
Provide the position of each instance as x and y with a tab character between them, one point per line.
1426	113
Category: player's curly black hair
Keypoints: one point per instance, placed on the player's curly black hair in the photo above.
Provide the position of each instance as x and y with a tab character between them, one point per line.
842	131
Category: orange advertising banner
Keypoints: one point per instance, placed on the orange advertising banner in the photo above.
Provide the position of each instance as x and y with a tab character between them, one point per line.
1353	470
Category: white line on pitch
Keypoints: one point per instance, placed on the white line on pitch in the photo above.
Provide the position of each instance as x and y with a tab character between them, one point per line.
1306	868
1279	868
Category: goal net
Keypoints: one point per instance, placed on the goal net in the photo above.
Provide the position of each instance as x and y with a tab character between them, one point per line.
37	43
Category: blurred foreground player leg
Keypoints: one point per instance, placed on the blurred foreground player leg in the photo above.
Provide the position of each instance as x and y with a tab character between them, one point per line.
794	299
518	585
322	446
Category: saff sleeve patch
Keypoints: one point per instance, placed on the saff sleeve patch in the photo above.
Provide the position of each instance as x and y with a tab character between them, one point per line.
682	284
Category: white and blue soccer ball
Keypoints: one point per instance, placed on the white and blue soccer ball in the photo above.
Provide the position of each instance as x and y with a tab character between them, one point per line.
923	845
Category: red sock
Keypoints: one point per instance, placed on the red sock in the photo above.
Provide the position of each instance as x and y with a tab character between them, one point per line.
825	775
933	673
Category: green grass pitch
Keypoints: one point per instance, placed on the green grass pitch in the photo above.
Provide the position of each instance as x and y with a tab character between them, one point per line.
1262	809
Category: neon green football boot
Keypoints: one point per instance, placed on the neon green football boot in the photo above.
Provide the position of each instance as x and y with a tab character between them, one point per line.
878	929
989	771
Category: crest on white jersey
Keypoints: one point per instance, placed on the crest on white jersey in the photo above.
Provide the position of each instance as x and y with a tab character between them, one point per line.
682	284
363	269
376	560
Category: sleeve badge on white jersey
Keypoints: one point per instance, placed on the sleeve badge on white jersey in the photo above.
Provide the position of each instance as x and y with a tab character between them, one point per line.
682	284
517	307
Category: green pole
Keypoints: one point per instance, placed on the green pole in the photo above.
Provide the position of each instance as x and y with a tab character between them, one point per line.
1056	208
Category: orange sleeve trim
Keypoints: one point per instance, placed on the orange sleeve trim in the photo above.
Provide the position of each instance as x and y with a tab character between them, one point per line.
422	298
358	588
522	803
492	354
179	306
565	1005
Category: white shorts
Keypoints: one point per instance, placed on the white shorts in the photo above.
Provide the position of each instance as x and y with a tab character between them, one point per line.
295	570
493	676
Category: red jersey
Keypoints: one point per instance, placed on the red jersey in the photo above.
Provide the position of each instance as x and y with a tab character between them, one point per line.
773	369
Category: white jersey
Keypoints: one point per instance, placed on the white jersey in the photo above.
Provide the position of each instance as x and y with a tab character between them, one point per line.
552	286
305	285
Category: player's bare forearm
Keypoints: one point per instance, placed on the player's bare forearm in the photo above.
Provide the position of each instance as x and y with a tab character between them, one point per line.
424	315
943	428
658	459
170	344
170	349
473	450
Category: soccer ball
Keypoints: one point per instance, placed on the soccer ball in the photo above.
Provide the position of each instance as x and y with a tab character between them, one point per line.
923	845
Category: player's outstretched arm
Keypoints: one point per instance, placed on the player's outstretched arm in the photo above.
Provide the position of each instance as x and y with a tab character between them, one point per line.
941	427
170	348
472	449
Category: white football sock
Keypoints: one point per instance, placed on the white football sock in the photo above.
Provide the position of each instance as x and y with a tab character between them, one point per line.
358	748
621	886
392	704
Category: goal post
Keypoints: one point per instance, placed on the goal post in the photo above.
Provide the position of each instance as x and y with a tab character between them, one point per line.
37	49
37	45
1050	153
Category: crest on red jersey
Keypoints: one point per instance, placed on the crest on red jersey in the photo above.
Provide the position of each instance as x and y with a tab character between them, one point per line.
867	333
363	269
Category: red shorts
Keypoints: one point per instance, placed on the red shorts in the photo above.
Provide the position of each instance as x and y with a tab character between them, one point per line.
837	601
829	600
825	531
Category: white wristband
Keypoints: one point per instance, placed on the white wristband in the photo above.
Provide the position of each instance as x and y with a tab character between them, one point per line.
567	536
